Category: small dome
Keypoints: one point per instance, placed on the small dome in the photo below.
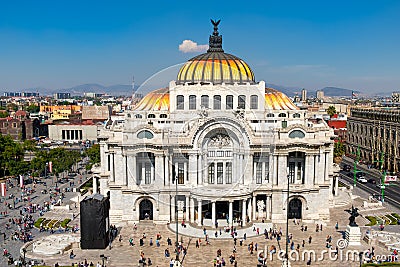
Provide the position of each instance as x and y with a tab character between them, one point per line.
215	66
155	100
275	100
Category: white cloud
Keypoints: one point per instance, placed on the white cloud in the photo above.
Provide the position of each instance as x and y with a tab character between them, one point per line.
188	46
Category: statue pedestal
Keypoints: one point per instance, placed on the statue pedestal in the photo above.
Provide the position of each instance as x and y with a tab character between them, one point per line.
353	235
261	215
180	214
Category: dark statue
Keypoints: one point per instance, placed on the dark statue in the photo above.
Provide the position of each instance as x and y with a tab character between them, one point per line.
353	214
215	40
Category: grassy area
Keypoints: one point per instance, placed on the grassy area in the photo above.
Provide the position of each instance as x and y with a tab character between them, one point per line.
46	223
38	222
372	220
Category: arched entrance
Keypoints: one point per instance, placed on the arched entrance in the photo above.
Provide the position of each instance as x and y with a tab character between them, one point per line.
146	210
295	207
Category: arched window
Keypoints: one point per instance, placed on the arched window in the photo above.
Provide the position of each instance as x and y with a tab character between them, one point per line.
151	116
270	115
229	102
192	102
253	102
282	115
163	116
296	115
205	101
217	102
138	116
296	134
242	102
145	134
180	102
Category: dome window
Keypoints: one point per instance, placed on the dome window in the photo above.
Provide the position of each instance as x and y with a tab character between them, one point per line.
180	99
296	134
145	134
128	115
282	115
151	116
205	102
270	115
192	102
229	102
163	116
217	102
253	102
138	116
242	102
296	115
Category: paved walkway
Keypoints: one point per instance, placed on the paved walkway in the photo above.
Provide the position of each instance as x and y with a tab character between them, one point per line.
122	254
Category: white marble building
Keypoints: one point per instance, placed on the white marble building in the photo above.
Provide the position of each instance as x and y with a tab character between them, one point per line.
228	144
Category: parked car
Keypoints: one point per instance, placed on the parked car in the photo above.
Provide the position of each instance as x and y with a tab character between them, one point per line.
371	181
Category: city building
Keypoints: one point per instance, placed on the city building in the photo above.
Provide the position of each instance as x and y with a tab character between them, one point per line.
73	133
373	131
96	113
58	96
220	145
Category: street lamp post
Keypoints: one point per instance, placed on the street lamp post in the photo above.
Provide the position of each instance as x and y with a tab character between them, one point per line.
177	262
23	261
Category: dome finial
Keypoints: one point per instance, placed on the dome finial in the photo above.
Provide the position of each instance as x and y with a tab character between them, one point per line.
215	40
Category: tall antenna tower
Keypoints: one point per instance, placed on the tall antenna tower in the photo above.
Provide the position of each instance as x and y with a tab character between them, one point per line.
133	88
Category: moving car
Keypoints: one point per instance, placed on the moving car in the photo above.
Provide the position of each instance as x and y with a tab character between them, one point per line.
347	168
362	179
371	181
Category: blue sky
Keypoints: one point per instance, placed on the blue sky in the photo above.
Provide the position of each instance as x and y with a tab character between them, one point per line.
311	44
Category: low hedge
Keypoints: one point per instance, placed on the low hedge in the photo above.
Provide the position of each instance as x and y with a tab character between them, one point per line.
65	223
372	220
38	222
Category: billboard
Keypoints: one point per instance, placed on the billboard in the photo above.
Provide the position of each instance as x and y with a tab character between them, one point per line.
392	178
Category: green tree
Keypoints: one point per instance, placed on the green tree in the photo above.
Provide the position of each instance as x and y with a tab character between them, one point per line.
33	108
94	154
338	150
11	156
4	114
331	111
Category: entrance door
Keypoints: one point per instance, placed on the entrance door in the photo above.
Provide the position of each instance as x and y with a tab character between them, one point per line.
295	208
146	210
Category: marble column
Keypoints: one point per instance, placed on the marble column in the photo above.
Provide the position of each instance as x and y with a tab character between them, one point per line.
244	211
131	170
192	169
173	208
336	185
191	210
159	169
199	170
213	213
112	167
254	208
199	212
231	213
267	206
185	172
249	209
167	170
94	185
187	209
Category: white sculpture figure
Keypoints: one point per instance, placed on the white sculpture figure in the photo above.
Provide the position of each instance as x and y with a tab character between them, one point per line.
260	207
181	204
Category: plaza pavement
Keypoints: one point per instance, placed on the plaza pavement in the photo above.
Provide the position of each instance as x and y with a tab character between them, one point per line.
122	254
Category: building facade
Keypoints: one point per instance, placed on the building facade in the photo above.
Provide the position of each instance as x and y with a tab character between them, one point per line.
373	131
220	145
